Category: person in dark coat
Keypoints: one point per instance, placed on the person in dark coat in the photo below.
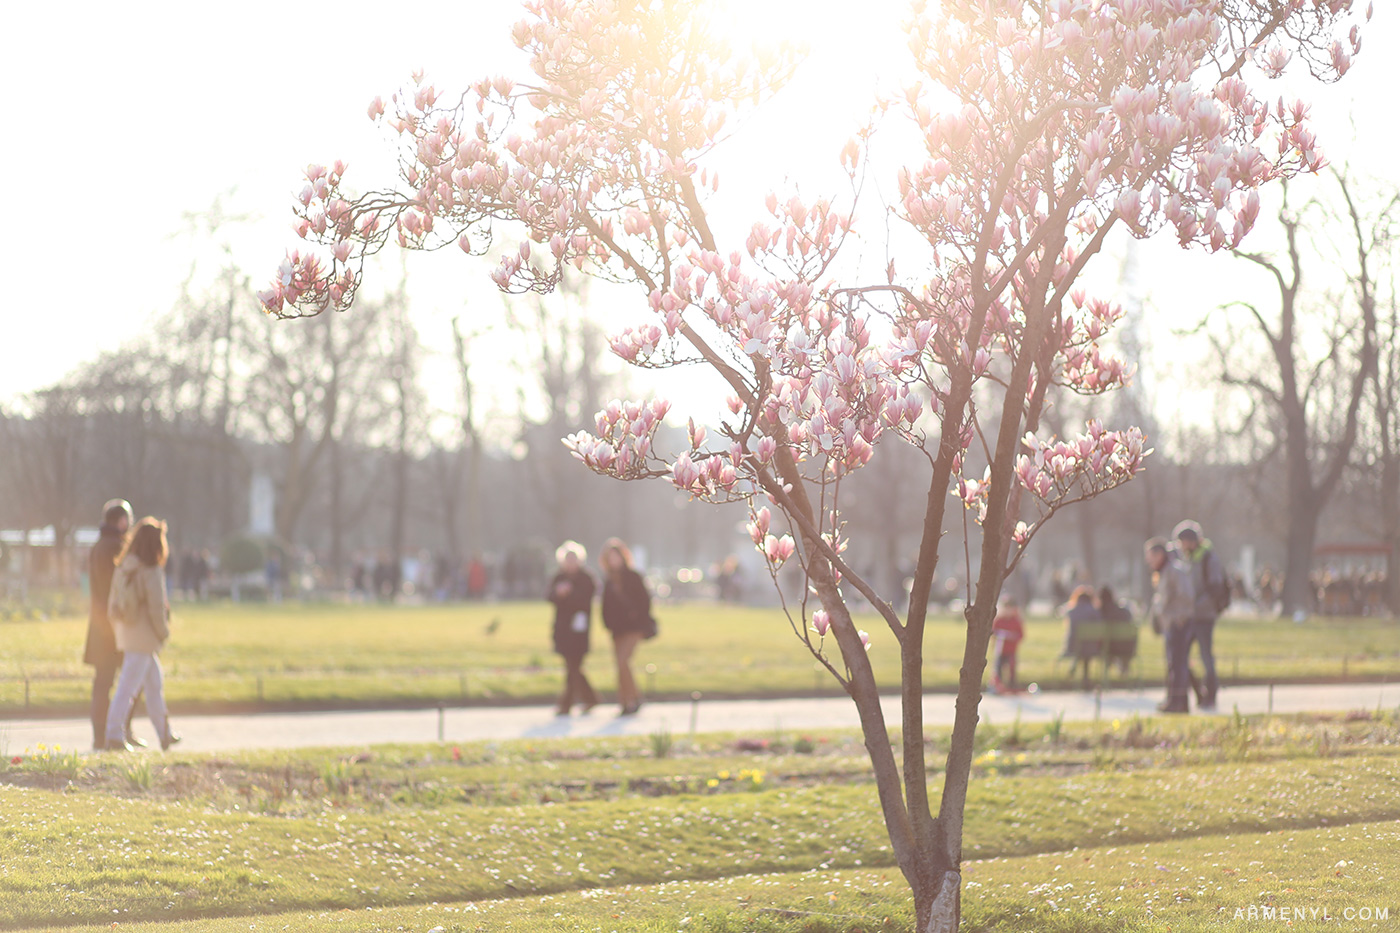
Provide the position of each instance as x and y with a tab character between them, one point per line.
101	649
627	615
572	591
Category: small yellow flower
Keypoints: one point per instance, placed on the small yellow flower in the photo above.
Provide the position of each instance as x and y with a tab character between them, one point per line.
1116	724
1021	758
724	775
712	783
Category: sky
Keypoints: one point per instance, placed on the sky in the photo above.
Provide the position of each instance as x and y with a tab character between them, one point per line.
125	119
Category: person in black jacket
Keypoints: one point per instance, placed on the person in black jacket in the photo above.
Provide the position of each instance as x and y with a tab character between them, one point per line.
100	650
627	615
572	591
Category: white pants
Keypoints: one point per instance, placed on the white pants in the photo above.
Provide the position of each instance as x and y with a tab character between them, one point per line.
138	671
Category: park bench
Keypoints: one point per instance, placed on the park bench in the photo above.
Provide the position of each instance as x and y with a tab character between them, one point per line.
1108	642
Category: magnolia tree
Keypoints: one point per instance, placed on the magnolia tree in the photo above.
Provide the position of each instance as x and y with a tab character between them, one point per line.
1045	124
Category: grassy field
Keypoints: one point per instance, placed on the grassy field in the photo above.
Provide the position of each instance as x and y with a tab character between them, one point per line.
1128	826
291	655
1188	885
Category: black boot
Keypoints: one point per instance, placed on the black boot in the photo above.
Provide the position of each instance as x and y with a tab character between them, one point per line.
169	739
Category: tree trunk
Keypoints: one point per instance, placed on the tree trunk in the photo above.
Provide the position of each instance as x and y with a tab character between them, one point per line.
226	523
476	536
944	899
400	511
1297	583
1390	525
403	376
1392	577
337	522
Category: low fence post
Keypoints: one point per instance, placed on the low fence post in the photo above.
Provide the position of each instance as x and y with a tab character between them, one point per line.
694	710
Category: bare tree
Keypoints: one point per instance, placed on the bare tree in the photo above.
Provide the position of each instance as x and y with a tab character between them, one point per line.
407	407
1310	393
563	347
44	461
305	391
1381	452
456	463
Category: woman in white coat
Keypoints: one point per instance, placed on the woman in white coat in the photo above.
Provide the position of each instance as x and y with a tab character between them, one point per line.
140	613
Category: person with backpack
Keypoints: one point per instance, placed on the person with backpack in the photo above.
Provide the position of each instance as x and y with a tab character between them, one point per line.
1212	596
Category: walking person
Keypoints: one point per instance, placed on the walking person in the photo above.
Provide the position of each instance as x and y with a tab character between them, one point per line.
139	607
101	650
1172	603
572	591
627	615
1212	594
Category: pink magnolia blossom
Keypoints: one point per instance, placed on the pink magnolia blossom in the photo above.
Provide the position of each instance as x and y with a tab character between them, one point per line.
778	550
762	520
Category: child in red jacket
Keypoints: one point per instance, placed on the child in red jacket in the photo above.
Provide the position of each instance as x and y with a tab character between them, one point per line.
1008	630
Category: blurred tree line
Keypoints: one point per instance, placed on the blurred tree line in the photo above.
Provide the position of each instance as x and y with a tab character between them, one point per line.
334	412
1302	446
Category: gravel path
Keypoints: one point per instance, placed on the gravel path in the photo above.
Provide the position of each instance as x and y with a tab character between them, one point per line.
354	728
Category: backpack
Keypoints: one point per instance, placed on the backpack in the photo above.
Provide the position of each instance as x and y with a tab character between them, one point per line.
1218	589
122	601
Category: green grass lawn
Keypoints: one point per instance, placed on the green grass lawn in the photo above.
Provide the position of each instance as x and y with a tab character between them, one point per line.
1117	827
291	655
1187	885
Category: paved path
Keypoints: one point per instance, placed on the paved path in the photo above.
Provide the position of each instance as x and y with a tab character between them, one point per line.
355	728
